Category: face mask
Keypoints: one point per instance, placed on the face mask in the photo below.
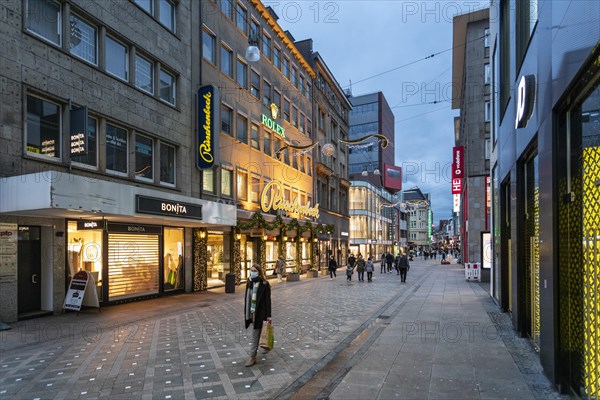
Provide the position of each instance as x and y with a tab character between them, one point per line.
253	274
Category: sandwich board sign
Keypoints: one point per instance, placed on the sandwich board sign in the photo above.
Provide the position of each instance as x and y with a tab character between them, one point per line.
77	295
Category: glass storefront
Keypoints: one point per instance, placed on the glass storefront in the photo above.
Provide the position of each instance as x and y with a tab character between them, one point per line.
217	261
173	259
84	252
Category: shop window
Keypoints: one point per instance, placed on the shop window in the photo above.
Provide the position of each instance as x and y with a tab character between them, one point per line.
217	257
167	87
84	252
208	180
173	246
43	19
43	127
117	58
168	166
242	185
91	157
84	39
116	149
144	158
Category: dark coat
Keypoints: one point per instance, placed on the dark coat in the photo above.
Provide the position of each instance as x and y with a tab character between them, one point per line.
351	260
332	264
389	258
403	263
263	303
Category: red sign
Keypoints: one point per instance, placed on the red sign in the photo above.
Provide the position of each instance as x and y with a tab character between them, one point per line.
457	186
458	163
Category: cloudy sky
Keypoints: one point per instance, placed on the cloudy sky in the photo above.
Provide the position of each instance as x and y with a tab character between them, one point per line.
387	46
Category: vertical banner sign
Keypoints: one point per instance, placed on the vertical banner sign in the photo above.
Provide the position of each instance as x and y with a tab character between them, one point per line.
458	172
77	132
206	122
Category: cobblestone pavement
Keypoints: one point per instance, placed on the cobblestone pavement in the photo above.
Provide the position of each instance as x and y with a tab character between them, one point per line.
194	345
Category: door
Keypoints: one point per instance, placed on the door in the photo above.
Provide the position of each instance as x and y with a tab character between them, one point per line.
29	269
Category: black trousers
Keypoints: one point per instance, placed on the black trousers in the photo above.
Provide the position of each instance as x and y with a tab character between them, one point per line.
403	274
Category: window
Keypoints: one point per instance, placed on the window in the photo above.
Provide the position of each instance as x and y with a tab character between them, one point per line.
241	18
321	119
91	158
286	109
144	157
302	124
526	18
487	73
167	87
226	120
267	142
146	5
301	161
242	129
300	85
255	29
277	57
117	59
83	40
486	149
43	127
277	98
276	147
167	164
486	37
487	111
307	92
266	93
505	50
294	76
286	67
241	74
242	185
43	19
266	45
295	116
255	84
226	61
254	136
226	175
144	73
208	180
209	47
167	14
309	166
255	189
227	8
308	127
116	149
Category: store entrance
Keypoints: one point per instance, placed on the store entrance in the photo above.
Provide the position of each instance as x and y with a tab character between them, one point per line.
30	270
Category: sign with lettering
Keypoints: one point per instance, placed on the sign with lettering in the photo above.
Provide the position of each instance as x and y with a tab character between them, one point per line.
83	225
456	186
272	198
272	125
206	127
458	153
8	252
525	100
78	132
114	227
150	205
456	207
76	291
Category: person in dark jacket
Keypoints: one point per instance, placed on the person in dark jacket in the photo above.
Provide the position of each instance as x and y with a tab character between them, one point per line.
352	260
257	307
389	259
404	267
332	267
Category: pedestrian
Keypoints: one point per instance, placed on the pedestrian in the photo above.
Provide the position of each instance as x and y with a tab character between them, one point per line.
404	267
360	268
389	259
332	268
352	260
280	265
257	307
382	271
369	267
350	271
397	263
443	255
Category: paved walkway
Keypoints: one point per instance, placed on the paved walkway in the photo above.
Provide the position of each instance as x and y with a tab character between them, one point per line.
435	336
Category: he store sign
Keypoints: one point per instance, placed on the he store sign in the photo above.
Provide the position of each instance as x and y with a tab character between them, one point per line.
458	173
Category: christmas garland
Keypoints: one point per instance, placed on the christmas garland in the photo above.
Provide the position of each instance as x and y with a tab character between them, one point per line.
258	221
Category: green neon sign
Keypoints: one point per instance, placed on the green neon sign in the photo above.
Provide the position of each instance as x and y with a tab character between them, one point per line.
274	126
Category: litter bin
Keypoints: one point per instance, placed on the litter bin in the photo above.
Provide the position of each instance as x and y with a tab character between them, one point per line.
230	283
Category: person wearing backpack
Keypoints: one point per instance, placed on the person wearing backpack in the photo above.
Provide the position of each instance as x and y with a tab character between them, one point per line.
404	267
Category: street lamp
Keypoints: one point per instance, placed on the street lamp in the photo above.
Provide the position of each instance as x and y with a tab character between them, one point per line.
252	52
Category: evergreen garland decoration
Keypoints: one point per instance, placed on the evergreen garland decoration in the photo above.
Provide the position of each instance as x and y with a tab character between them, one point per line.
237	261
200	277
258	221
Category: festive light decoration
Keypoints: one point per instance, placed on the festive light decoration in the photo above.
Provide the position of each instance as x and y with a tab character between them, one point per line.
328	150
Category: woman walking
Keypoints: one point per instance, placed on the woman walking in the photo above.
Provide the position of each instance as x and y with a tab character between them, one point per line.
360	268
332	268
369	267
257	307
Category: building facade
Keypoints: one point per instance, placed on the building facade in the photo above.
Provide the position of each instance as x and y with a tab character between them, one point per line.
545	180
471	78
96	151
420	219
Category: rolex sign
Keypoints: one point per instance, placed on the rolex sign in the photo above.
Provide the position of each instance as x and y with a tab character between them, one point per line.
206	122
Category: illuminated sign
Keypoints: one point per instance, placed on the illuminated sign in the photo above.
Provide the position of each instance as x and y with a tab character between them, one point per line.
429	218
274	126
150	205
78	128
456	186
525	100
458	153
205	138
456	208
272	198
83	225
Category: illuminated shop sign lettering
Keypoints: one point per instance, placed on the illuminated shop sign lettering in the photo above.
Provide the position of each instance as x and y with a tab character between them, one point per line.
83	225
205	155
272	198
525	100
150	205
78	128
274	126
458	162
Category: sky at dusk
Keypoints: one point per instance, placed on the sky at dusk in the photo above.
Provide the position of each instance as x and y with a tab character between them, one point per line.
387	46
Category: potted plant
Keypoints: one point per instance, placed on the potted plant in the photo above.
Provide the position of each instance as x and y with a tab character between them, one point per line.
312	272
293	276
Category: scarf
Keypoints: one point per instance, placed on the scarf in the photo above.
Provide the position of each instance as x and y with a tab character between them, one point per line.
251	297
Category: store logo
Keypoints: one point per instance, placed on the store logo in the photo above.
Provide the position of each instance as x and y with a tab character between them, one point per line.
174	208
6	233
90	225
205	157
136	228
272	197
525	100
274	111
274	126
